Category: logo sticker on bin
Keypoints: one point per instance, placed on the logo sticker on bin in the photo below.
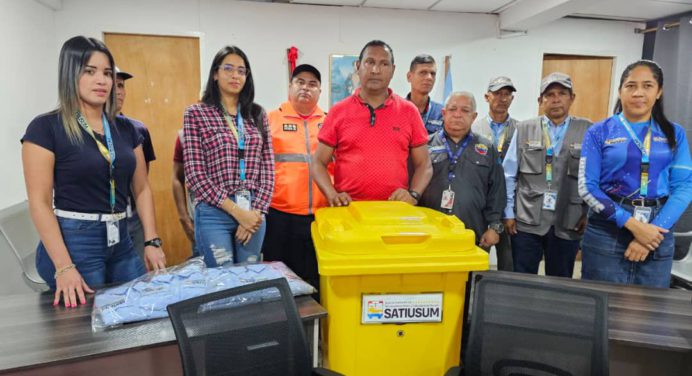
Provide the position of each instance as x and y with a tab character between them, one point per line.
401	308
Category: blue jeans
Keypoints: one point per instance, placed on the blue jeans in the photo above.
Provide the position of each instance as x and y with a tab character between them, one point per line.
96	262
528	250
215	238
603	250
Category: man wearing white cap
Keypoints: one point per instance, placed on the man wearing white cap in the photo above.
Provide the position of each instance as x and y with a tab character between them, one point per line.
541	172
499	127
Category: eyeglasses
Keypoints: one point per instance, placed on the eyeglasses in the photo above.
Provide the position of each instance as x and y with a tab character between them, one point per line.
229	69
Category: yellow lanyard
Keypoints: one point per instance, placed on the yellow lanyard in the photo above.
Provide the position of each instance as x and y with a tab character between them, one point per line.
229	121
104	150
548	154
501	142
645	150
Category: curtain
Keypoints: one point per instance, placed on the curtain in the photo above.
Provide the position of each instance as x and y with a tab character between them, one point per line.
673	51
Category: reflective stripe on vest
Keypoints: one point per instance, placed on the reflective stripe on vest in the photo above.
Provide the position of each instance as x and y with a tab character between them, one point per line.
291	157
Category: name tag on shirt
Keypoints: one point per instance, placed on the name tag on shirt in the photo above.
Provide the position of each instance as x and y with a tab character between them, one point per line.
112	233
549	200
642	214
534	144
447	199
242	199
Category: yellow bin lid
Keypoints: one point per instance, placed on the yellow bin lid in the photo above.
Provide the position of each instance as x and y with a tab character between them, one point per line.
386	237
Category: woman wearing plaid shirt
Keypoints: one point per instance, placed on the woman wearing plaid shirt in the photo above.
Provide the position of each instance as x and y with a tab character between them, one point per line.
229	163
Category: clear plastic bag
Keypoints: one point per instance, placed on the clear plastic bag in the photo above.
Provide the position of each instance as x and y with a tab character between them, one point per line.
147	297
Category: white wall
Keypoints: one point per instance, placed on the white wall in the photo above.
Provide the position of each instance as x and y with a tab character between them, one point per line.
265	30
29	80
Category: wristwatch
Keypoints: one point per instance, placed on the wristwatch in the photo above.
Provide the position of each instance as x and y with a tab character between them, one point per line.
497	227
156	242
415	195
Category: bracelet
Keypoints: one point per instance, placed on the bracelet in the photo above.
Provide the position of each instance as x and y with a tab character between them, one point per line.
62	270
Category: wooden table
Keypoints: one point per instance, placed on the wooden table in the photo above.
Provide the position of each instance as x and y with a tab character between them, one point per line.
649	329
39	339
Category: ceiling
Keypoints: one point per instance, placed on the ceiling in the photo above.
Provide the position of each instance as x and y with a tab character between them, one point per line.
525	14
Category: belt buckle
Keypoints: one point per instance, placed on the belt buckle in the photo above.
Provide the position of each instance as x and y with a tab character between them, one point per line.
640	200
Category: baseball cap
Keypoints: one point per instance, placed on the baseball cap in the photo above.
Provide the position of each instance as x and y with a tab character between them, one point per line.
556	78
498	83
306	68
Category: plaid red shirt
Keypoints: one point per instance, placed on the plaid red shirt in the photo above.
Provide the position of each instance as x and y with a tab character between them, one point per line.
211	158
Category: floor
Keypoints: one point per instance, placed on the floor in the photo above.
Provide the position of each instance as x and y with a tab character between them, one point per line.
541	267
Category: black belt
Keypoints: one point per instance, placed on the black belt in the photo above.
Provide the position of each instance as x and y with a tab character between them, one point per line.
639	201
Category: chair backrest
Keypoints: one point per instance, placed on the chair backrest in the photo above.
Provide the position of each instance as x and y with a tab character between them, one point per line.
533	328
683	235
19	232
248	330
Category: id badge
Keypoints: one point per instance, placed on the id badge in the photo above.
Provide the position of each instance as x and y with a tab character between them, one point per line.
642	214
112	232
447	199
242	199
549	200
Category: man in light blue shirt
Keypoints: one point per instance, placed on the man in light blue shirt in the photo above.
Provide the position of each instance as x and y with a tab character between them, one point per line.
545	214
499	127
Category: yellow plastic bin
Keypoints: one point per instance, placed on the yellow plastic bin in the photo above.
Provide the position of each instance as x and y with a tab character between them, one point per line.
392	278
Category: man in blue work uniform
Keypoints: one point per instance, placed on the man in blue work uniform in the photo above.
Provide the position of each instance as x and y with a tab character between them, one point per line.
421	76
541	171
499	127
468	180
134	225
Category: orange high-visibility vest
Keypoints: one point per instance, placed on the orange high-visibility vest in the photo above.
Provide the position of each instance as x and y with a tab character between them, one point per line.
295	140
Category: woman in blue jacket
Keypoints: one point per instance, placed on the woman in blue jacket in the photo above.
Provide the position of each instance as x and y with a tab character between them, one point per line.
636	175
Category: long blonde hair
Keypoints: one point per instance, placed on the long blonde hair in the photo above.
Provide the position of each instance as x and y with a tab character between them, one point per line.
74	55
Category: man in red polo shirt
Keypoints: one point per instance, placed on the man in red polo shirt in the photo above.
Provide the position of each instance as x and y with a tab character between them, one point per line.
371	135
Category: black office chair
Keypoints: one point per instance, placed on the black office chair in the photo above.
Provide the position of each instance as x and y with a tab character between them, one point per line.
531	328
248	330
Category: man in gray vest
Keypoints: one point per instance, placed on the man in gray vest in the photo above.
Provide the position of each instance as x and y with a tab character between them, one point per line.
499	127
468	180
541	171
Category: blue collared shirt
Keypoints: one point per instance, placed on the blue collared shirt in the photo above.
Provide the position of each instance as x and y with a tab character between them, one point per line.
432	116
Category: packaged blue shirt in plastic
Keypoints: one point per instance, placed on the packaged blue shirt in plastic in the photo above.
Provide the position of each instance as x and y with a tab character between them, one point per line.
147	297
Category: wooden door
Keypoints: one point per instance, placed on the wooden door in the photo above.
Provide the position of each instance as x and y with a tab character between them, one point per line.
166	80
592	79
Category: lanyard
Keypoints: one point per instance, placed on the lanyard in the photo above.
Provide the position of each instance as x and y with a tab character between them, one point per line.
239	134
645	148
108	152
503	133
550	145
454	158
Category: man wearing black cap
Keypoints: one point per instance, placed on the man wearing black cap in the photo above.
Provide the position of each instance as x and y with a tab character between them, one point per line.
541	171
134	225
294	127
499	128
